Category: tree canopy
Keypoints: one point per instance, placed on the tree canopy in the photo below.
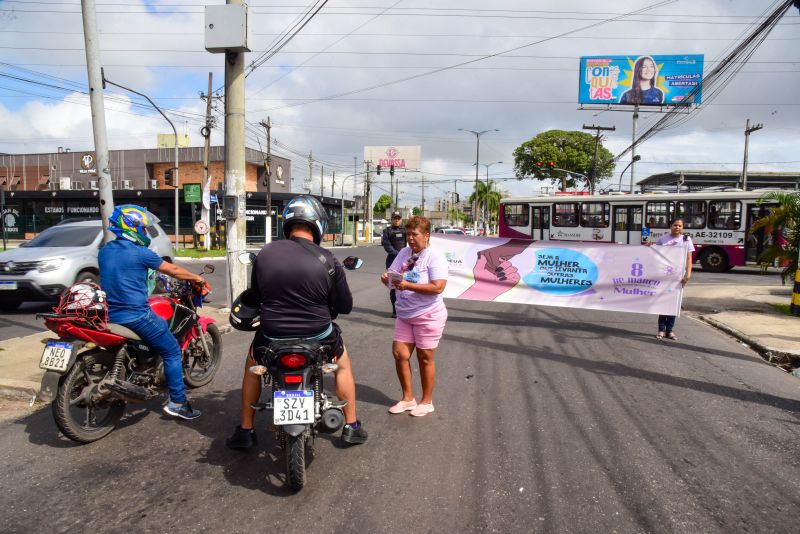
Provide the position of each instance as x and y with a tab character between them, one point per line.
383	204
572	151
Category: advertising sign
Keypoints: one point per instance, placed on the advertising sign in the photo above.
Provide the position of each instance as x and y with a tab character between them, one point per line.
402	157
644	80
596	276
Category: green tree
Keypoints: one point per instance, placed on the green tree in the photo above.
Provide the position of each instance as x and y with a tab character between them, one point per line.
573	151
456	216
383	204
416	210
784	220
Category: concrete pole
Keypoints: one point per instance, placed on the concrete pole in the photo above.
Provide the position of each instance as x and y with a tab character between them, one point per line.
633	146
747	131
92	45
205	211
235	167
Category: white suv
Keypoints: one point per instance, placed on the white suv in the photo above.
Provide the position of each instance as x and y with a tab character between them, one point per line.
57	258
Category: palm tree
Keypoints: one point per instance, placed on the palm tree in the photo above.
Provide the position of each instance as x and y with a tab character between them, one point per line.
486	197
784	219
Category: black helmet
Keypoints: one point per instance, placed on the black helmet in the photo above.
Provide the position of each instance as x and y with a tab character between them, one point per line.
308	210
246	311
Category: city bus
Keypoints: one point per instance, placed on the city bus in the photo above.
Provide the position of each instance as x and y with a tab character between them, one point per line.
718	221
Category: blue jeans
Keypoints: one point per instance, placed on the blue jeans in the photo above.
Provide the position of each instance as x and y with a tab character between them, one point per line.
666	323
154	331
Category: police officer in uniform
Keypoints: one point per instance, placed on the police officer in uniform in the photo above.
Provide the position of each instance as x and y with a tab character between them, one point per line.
393	239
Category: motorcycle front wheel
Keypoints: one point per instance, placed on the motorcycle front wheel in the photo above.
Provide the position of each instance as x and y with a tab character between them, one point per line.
80	411
199	368
296	461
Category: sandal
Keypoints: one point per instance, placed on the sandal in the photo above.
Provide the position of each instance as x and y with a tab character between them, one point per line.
671	335
660	335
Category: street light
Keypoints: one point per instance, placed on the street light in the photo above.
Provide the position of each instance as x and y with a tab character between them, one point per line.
486	200
105	81
343	181
477	162
635	158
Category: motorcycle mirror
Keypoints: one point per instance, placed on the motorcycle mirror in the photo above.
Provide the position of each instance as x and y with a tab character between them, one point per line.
352	263
208	268
247	258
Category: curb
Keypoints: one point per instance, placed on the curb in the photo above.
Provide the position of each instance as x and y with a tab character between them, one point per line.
779	358
26	390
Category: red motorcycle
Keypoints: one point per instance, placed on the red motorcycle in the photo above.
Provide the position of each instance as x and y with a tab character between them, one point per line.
95	368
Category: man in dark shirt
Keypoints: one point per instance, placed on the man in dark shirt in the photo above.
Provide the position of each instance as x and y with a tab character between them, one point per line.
298	301
392	240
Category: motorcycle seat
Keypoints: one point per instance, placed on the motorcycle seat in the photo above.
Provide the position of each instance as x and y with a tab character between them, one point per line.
123	331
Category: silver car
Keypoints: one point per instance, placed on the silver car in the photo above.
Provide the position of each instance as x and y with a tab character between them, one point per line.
57	258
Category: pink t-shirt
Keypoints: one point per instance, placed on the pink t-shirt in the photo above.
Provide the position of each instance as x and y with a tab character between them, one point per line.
429	265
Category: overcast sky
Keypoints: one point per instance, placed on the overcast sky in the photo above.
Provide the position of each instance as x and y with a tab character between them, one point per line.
157	48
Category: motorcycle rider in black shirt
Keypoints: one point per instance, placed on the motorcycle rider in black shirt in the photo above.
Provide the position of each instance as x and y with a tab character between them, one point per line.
294	287
393	239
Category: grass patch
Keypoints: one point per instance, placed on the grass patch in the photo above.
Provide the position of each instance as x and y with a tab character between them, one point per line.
785	309
200	253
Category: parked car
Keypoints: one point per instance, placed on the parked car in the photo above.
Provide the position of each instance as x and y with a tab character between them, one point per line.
452	231
40	269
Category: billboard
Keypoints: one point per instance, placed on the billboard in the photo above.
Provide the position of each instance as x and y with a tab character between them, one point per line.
643	80
402	157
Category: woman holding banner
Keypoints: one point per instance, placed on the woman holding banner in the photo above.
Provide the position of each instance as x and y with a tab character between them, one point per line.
643	85
419	274
676	238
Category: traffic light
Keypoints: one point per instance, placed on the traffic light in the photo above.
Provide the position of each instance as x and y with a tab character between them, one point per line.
379	170
552	165
391	170
168	178
538	165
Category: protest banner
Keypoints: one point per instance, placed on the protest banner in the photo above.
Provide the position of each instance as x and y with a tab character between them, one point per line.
598	276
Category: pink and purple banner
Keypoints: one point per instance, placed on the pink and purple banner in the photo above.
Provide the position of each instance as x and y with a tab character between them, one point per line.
598	276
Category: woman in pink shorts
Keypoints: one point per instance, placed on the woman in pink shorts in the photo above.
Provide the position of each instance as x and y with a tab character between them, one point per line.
419	275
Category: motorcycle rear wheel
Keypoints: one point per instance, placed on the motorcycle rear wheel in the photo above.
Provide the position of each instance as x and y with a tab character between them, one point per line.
200	371
296	461
80	412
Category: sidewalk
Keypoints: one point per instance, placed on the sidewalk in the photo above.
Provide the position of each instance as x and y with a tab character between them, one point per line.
744	312
20	376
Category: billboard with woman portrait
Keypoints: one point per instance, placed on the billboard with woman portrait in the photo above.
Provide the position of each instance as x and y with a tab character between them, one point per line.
645	80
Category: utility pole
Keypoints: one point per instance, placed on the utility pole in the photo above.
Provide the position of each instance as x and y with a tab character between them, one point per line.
96	87
598	129
235	168
368	206
747	131
322	180
423	196
268	180
634	159
355	171
205	210
333	184
310	171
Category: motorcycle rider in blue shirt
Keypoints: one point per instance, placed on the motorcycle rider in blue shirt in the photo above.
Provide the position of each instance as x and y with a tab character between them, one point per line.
123	276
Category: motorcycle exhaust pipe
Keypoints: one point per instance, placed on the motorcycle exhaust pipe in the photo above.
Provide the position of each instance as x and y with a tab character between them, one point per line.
332	420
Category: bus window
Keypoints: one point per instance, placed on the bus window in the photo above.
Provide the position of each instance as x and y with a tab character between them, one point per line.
565	214
724	214
595	214
693	213
659	214
517	214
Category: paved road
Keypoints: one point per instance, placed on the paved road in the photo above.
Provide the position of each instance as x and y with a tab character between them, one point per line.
547	420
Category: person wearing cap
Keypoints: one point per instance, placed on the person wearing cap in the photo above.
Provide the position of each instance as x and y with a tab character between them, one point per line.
393	240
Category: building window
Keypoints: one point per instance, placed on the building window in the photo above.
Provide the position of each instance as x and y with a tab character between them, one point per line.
565	214
595	214
516	214
659	214
724	215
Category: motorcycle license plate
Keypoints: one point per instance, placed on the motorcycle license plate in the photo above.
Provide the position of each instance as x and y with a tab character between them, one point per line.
293	407
55	356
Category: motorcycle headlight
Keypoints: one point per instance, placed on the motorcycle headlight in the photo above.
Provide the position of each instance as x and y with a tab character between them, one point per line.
50	264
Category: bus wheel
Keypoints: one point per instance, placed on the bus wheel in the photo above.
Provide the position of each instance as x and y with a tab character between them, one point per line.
714	260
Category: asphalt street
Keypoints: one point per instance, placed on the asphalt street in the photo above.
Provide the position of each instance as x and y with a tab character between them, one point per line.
547	420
